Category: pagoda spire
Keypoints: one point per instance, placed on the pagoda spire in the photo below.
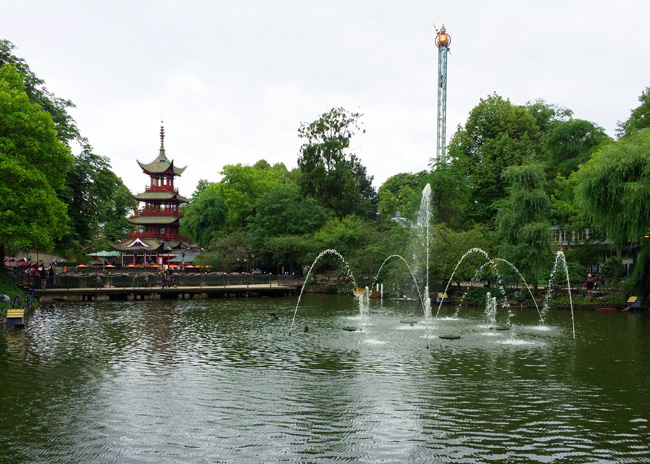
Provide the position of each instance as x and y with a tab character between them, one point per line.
162	134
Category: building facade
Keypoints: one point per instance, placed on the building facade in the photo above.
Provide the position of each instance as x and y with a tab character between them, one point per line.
157	239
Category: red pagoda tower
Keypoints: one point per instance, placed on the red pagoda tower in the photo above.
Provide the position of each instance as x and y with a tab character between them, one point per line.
157	239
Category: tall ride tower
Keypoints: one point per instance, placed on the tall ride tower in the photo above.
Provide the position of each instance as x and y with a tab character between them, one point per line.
443	40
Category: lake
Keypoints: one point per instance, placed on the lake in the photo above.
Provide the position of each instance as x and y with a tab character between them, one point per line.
221	380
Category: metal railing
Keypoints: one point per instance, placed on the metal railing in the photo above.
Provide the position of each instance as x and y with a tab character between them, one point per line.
127	279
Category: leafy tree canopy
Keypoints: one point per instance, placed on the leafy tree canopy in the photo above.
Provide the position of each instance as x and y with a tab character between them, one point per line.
402	193
613	188
522	222
328	174
33	166
639	119
564	210
571	143
449	247
345	235
496	135
450	195
284	211
201	185
64	124
97	202
547	115
204	218
242	186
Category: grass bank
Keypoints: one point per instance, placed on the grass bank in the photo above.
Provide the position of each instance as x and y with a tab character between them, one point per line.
8	287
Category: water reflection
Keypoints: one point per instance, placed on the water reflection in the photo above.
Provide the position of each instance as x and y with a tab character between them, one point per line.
204	381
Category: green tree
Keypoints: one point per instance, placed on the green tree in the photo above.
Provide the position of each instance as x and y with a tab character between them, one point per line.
343	235
613	188
450	194
547	115
33	166
612	272
639	119
402	193
497	134
64	124
327	173
293	251
449	247
613	191
639	282
571	143
284	211
204	218
522	222
114	209
97	201
201	185
358	240
241	187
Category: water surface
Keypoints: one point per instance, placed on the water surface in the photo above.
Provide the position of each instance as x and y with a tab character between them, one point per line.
222	381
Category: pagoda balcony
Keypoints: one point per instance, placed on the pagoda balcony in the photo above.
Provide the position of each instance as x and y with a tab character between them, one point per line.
157	212
158	236
162	188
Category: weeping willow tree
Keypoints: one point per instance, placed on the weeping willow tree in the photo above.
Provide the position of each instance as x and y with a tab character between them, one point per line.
613	191
523	222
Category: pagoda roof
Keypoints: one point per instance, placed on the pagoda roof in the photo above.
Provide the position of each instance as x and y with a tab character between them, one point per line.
161	165
151	244
129	244
178	245
160	195
148	220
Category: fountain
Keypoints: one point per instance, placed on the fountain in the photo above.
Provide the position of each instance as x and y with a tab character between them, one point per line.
468	252
423	224
491	310
415	281
423	228
559	259
323	253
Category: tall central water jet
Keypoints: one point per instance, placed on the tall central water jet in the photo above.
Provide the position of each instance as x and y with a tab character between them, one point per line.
423	223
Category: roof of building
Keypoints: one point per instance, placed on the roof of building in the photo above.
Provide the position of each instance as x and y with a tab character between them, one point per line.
104	254
160	195
186	257
130	244
150	244
161	164
148	220
178	245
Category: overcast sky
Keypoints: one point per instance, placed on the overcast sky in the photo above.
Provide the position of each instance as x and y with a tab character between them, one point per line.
234	79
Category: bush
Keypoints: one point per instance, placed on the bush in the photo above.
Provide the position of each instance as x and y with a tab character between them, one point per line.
612	270
478	296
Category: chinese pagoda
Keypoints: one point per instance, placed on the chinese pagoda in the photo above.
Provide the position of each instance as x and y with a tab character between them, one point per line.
157	239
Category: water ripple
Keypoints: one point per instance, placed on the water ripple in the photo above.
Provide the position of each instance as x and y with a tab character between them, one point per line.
222	381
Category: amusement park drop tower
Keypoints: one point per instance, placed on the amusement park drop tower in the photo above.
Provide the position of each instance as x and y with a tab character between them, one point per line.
443	40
